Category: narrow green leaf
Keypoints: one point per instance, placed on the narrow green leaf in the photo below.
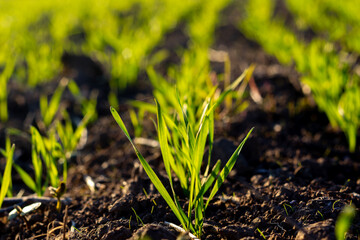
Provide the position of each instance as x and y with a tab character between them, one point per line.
74	88
211	141
7	174
3	152
237	81
209	180
192	189
199	216
151	174
200	144
43	105
37	145
37	141
226	170
52	171
183	112
164	145
54	103
227	91
26	178
190	137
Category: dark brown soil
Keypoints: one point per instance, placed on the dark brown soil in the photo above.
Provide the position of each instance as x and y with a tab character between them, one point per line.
292	180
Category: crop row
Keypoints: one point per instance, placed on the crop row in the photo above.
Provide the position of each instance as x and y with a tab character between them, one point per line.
326	61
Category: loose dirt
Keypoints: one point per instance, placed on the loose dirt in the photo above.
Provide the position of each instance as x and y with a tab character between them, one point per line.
294	175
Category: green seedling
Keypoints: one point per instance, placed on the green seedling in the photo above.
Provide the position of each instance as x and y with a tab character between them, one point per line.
58	193
120	35
287	206
88	106
136	120
69	136
152	209
22	212
333	205
345	185
344	221
137	217
51	155
44	154
343	17
319	213
186	169
47	152
49	109
147	196
261	233
325	64
183	114
195	65
153	206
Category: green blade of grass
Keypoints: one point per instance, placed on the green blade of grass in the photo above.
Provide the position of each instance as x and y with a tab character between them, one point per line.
37	166
52	170
152	175
199	216
43	105
211	141
4	78
190	137
8	151
226	170
200	142
74	88
137	217
7	174
26	178
344	221
37	141
49	110
228	90
209	180
183	112
194	178
164	145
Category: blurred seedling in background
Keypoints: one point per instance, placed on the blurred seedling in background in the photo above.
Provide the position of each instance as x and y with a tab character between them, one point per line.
58	193
22	212
119	34
4	78
192	79
48	109
45	153
5	179
52	151
69	136
328	68
344	221
88	103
